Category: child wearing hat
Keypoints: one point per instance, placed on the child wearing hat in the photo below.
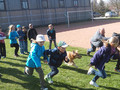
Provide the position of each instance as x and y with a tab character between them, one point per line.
21	38
2	44
57	55
51	35
101	57
33	60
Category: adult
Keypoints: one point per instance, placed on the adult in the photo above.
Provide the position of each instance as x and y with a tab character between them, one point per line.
32	33
96	40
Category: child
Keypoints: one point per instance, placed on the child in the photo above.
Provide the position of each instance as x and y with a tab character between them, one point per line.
100	58
57	55
2	44
33	60
13	36
32	33
25	39
51	35
21	38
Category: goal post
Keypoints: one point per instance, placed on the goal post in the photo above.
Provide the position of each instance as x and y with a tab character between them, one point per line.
81	11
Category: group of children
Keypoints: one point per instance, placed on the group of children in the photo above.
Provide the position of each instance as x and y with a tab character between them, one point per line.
21	35
54	57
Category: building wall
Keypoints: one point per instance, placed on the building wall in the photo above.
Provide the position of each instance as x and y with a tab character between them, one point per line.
14	12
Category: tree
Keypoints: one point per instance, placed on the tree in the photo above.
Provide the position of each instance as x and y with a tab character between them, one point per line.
95	4
115	4
102	8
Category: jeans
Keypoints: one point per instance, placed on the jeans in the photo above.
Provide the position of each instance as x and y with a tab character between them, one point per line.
16	47
54	71
25	46
2	49
92	49
54	40
21	43
99	73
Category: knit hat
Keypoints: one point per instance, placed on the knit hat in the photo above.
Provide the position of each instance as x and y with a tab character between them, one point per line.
18	26
40	37
62	44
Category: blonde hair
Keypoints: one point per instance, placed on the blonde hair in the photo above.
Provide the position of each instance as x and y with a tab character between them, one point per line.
113	40
10	29
50	25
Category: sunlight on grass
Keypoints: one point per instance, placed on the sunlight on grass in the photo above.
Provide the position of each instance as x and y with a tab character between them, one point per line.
68	78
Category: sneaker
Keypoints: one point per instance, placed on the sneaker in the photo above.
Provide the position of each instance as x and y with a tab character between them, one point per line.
16	55
26	71
22	53
44	88
90	71
48	79
3	57
117	70
93	83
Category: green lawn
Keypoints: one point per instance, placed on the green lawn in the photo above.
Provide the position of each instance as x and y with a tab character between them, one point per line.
69	78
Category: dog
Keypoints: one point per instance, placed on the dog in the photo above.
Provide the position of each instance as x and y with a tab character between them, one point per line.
73	55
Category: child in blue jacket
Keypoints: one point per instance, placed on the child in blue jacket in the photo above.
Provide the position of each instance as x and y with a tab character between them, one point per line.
57	55
101	57
13	36
21	38
33	60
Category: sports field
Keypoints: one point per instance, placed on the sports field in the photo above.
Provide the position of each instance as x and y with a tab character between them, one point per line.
69	77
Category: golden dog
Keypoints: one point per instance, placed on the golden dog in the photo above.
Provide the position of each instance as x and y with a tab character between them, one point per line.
72	55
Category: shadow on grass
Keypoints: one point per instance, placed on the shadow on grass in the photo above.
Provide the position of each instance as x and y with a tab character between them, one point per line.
32	83
112	72
110	88
17	59
86	55
69	87
13	64
75	69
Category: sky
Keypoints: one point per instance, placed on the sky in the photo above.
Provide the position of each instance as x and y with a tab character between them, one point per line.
103	0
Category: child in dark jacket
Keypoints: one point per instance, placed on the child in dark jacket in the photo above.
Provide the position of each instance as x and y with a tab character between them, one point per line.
32	33
21	38
101	57
57	55
25	39
2	44
51	35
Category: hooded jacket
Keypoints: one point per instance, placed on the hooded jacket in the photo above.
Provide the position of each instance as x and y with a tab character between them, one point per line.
36	52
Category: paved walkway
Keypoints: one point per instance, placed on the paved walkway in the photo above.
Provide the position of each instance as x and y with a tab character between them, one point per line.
79	34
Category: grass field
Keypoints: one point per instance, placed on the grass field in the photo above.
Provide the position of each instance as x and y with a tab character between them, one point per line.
68	78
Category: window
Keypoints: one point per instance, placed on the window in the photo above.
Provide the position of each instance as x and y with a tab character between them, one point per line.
24	4
75	3
61	3
2	5
44	4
